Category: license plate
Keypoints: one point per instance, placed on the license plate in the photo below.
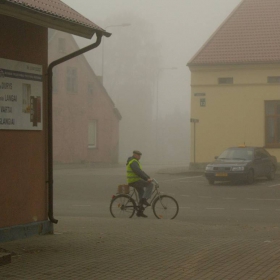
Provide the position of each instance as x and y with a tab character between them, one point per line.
222	174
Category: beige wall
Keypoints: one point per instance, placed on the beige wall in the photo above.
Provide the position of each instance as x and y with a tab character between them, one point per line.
234	114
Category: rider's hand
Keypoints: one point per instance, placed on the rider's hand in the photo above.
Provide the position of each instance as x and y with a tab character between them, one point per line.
150	180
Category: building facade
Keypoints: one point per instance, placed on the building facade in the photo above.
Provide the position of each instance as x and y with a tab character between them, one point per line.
25	117
235	84
86	122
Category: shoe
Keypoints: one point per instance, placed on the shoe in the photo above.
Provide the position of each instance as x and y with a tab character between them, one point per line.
144	202
141	214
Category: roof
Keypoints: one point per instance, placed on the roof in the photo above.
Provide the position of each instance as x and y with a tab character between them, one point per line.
251	34
52	14
52	34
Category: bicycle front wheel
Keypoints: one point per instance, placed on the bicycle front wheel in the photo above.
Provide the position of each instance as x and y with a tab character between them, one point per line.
165	207
122	206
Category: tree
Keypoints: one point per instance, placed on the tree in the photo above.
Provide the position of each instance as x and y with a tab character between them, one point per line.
175	142
131	62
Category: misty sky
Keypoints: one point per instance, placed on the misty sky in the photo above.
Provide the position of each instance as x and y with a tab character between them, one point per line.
181	27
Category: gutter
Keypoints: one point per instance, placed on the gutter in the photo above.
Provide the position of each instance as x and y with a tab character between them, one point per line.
50	118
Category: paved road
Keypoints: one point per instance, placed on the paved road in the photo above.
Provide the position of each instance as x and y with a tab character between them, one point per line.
222	232
87	192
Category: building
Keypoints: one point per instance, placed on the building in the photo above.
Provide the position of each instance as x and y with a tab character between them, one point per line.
26	110
86	122
235	83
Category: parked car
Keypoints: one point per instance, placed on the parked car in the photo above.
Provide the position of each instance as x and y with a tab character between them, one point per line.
241	164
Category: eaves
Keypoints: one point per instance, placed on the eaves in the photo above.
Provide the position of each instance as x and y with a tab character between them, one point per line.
45	18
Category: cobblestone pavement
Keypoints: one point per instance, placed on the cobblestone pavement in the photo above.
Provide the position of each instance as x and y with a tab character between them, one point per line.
137	248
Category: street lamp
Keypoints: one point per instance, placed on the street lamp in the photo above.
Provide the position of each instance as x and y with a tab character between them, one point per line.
194	121
157	90
103	45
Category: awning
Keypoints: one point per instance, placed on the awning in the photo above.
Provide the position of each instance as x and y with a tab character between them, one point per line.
51	14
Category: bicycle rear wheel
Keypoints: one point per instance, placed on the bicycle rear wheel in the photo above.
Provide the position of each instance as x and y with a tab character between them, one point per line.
122	206
165	207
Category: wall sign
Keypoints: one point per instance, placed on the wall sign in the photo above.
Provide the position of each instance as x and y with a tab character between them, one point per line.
202	102
199	94
21	92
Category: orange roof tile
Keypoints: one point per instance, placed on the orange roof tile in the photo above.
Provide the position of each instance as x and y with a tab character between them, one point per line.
56	9
251	34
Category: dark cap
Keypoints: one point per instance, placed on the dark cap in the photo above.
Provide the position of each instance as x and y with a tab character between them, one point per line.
137	152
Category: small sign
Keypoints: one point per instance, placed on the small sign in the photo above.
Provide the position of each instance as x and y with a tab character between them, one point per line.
199	94
202	102
21	93
194	120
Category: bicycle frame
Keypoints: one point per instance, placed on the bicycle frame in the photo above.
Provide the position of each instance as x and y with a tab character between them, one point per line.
156	193
159	202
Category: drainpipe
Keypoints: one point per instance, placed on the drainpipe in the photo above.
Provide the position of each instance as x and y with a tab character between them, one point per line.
50	118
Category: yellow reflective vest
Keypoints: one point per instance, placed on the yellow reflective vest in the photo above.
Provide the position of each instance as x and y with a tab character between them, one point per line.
130	175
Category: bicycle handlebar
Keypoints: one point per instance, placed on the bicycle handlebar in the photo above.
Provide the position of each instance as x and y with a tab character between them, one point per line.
155	181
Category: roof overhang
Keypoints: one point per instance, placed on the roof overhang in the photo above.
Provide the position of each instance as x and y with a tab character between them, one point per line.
48	20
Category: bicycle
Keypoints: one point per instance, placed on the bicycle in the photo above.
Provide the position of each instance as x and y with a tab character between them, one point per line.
125	205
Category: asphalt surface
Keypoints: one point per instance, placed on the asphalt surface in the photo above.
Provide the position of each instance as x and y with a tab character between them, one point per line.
223	231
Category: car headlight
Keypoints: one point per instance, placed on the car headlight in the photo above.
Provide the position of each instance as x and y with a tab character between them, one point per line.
209	168
237	168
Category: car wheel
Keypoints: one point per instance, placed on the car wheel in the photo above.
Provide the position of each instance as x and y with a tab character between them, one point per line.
211	182
250	177
271	174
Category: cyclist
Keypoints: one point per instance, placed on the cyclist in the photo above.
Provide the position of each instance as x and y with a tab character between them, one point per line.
138	179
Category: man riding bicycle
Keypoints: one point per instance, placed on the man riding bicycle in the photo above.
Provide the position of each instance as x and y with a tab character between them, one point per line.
138	179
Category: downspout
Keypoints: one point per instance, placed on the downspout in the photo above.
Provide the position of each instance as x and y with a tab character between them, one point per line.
50	118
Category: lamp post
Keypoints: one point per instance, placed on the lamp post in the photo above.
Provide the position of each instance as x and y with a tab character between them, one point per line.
103	46
194	121
157	94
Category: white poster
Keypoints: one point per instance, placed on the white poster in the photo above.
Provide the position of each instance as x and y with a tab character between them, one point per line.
21	95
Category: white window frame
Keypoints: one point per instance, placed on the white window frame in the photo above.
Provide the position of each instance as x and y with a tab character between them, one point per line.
92	134
72	79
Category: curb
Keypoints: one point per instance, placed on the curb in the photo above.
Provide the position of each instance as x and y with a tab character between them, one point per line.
5	258
187	173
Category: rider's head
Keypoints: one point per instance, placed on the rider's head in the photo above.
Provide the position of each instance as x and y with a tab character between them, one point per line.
137	154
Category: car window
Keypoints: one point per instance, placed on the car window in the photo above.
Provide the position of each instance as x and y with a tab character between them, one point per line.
250	154
263	153
237	153
258	154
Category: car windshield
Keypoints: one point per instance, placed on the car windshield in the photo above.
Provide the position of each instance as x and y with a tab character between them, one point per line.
237	154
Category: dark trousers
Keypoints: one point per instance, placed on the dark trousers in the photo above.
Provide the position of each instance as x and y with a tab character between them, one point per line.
143	188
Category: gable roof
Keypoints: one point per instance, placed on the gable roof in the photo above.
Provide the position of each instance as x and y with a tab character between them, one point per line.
52	34
52	14
251	34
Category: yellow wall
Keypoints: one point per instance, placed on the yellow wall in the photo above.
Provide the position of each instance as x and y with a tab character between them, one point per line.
234	114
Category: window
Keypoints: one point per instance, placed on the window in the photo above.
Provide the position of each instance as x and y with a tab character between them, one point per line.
225	81
90	89
72	80
261	153
273	80
92	134
61	45
272	123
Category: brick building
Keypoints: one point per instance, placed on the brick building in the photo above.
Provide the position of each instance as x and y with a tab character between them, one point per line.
26	110
86	122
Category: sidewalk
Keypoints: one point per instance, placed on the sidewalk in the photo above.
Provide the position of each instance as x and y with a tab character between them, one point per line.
95	248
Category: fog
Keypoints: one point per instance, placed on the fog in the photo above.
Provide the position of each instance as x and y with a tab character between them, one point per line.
144	68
